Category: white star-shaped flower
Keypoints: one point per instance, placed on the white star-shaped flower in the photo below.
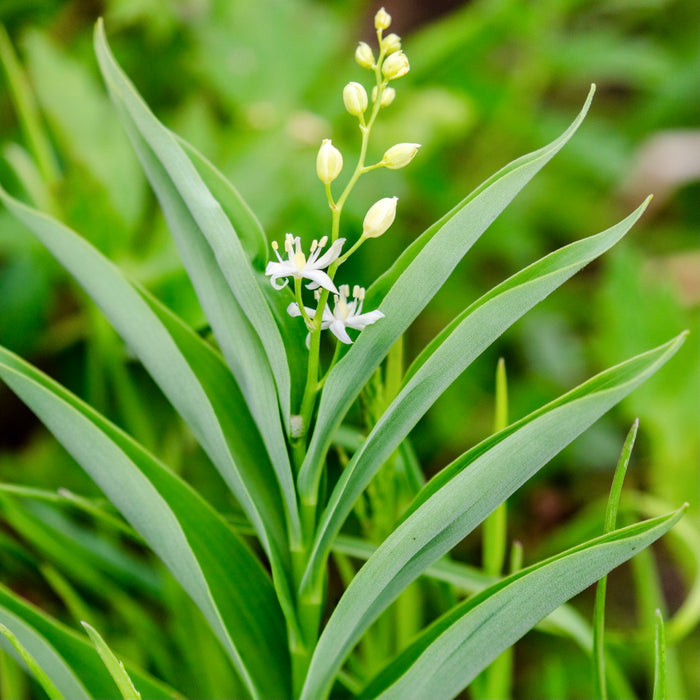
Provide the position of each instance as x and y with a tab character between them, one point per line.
345	314
297	265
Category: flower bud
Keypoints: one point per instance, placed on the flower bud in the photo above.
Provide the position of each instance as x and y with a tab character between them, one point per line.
329	162
382	19
388	96
395	66
355	99
400	155
364	55
379	217
391	43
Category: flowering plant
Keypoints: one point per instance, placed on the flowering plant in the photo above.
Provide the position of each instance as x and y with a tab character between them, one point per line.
277	435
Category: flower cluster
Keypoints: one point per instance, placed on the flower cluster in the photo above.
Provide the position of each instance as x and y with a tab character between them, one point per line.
388	65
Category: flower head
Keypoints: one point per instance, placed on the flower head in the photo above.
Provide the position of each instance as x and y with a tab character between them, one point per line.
345	314
329	162
379	217
297	265
395	65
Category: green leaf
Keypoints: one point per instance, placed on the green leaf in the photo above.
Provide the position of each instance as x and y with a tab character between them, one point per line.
448	656
224	280
44	652
444	359
113	664
68	659
188	371
453	503
659	692
564	621
405	289
222	576
240	215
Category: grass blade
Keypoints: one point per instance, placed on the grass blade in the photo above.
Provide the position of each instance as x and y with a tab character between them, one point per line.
599	685
70	660
455	649
113	664
659	692
453	503
221	575
34	667
404	290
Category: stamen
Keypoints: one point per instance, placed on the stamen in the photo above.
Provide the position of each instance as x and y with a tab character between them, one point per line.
275	245
344	290
356	291
314	245
323	242
289	243
317	295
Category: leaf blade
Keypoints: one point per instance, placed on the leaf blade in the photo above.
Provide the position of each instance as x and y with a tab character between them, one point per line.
454	502
452	654
445	358
218	571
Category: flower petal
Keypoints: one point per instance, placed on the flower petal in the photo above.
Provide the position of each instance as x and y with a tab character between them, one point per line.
359	322
337	328
330	255
319	279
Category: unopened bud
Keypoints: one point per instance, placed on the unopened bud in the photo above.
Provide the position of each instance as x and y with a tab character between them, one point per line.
391	43
379	217
355	99
388	95
364	55
382	19
400	155
329	162
395	66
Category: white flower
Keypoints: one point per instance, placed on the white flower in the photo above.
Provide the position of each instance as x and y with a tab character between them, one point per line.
344	315
299	267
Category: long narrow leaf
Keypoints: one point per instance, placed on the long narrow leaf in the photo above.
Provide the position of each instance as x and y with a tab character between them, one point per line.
446	358
80	665
222	576
451	653
188	188
245	222
452	504
208	399
411	283
46	654
115	667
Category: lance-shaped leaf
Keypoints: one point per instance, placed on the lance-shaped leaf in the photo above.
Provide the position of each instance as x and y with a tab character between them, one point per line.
212	564
450	353
188	371
452	504
413	280
245	222
68	659
453	651
217	265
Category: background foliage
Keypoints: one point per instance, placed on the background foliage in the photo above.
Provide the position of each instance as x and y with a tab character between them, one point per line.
256	86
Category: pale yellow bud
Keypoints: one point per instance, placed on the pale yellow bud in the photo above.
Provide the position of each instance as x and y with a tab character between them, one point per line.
379	217
382	19
388	96
364	55
395	66
391	43
329	162
400	155
355	99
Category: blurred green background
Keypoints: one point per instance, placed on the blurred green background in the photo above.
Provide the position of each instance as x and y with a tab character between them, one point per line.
256	86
